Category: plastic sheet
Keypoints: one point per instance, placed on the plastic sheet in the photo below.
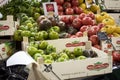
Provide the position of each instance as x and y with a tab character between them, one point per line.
16	72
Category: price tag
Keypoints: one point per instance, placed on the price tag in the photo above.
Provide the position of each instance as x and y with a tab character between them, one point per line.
50	8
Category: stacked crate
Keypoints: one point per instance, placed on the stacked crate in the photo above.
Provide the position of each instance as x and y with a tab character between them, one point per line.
7	45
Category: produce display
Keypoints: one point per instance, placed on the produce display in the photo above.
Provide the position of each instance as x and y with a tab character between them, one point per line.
40	27
67	27
41	30
49	53
75	19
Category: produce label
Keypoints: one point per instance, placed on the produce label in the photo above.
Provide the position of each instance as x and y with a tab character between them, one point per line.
75	44
3	27
50	8
69	43
98	66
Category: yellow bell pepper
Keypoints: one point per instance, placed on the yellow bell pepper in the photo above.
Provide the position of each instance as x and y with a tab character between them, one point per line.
116	34
108	21
101	16
117	29
109	29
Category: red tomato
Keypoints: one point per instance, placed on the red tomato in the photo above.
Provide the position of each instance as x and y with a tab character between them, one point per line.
72	17
59	2
82	15
78	10
77	23
93	30
84	28
79	34
94	39
66	5
75	2
69	11
65	19
116	56
92	15
60	8
87	21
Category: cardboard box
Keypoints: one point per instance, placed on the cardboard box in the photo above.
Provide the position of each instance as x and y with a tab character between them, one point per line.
115	44
76	68
7	27
7	48
111	4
